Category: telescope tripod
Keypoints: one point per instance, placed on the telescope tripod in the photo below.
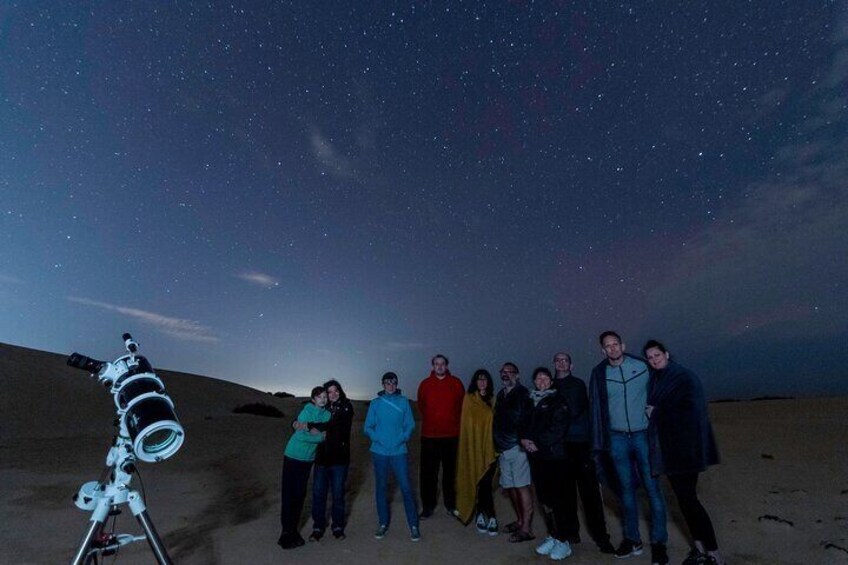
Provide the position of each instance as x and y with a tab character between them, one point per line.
104	500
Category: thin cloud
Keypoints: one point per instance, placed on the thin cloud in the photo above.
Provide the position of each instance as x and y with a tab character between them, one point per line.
180	328
329	156
260	279
351	155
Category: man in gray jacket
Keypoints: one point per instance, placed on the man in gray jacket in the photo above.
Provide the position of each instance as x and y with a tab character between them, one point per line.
618	391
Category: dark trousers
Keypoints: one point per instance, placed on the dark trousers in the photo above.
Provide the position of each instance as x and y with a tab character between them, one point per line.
329	478
582	478
685	487
438	452
550	488
293	494
485	500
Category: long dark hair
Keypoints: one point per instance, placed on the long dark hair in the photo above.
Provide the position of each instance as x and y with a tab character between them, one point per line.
335	383
490	386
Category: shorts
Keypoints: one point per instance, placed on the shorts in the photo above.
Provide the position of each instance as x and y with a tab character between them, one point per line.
515	468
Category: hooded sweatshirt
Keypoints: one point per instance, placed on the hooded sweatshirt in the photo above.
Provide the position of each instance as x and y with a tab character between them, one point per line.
440	404
389	423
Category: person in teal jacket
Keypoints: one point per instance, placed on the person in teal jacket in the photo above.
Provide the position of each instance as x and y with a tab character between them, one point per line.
389	424
297	464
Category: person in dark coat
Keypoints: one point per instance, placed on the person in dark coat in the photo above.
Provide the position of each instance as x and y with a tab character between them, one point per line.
581	475
332	462
543	438
682	444
512	406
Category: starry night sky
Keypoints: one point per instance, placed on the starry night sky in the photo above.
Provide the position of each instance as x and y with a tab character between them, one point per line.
280	193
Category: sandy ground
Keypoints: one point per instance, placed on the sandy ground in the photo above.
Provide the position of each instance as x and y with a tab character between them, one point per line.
780	495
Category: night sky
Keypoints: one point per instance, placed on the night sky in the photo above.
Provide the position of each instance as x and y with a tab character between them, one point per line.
280	193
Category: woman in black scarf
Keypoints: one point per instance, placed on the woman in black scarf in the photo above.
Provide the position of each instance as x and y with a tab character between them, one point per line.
682	444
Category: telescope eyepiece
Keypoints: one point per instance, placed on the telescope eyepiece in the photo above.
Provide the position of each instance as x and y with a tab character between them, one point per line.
79	361
130	343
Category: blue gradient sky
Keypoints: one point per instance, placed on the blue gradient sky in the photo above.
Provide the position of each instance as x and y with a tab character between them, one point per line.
280	193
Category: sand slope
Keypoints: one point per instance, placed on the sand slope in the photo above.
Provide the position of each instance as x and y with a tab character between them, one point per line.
780	495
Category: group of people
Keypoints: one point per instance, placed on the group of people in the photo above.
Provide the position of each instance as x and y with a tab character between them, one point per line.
639	419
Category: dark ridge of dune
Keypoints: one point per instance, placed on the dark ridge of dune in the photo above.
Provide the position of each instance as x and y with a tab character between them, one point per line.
44	397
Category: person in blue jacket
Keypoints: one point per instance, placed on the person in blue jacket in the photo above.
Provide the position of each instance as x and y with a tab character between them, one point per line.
389	424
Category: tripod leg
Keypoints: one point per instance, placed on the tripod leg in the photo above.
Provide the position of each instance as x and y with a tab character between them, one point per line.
139	510
98	517
153	539
86	543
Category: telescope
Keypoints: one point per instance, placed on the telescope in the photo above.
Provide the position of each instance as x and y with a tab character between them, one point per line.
148	430
145	412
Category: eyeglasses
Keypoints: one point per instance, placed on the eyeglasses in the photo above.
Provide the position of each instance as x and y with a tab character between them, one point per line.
508	372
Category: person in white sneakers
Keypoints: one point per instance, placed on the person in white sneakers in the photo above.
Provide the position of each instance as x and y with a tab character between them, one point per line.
543	438
477	460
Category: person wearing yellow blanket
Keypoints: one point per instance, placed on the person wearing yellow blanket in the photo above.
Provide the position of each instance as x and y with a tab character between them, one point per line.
477	458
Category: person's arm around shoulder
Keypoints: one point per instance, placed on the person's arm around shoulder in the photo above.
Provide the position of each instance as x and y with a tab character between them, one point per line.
312	436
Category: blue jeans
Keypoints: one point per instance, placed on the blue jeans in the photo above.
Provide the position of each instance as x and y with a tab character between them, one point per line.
400	468
629	451
324	478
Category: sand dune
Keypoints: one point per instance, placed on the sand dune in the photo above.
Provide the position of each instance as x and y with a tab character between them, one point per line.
780	495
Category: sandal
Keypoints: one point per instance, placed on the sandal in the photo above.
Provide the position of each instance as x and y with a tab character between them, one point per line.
511	528
519	536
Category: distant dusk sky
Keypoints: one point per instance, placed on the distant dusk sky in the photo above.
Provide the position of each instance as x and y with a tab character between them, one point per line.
279	193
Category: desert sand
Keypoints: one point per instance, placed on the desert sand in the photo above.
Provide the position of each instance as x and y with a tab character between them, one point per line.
780	495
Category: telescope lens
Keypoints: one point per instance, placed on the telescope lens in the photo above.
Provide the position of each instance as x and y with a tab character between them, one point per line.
155	432
158	441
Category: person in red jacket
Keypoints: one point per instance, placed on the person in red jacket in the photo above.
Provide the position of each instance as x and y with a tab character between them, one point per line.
440	399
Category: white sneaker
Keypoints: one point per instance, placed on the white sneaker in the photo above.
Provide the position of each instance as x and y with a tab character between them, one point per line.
481	523
546	546
492	526
561	550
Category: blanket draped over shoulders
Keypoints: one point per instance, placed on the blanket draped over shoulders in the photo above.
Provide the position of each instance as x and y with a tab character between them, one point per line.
476	452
